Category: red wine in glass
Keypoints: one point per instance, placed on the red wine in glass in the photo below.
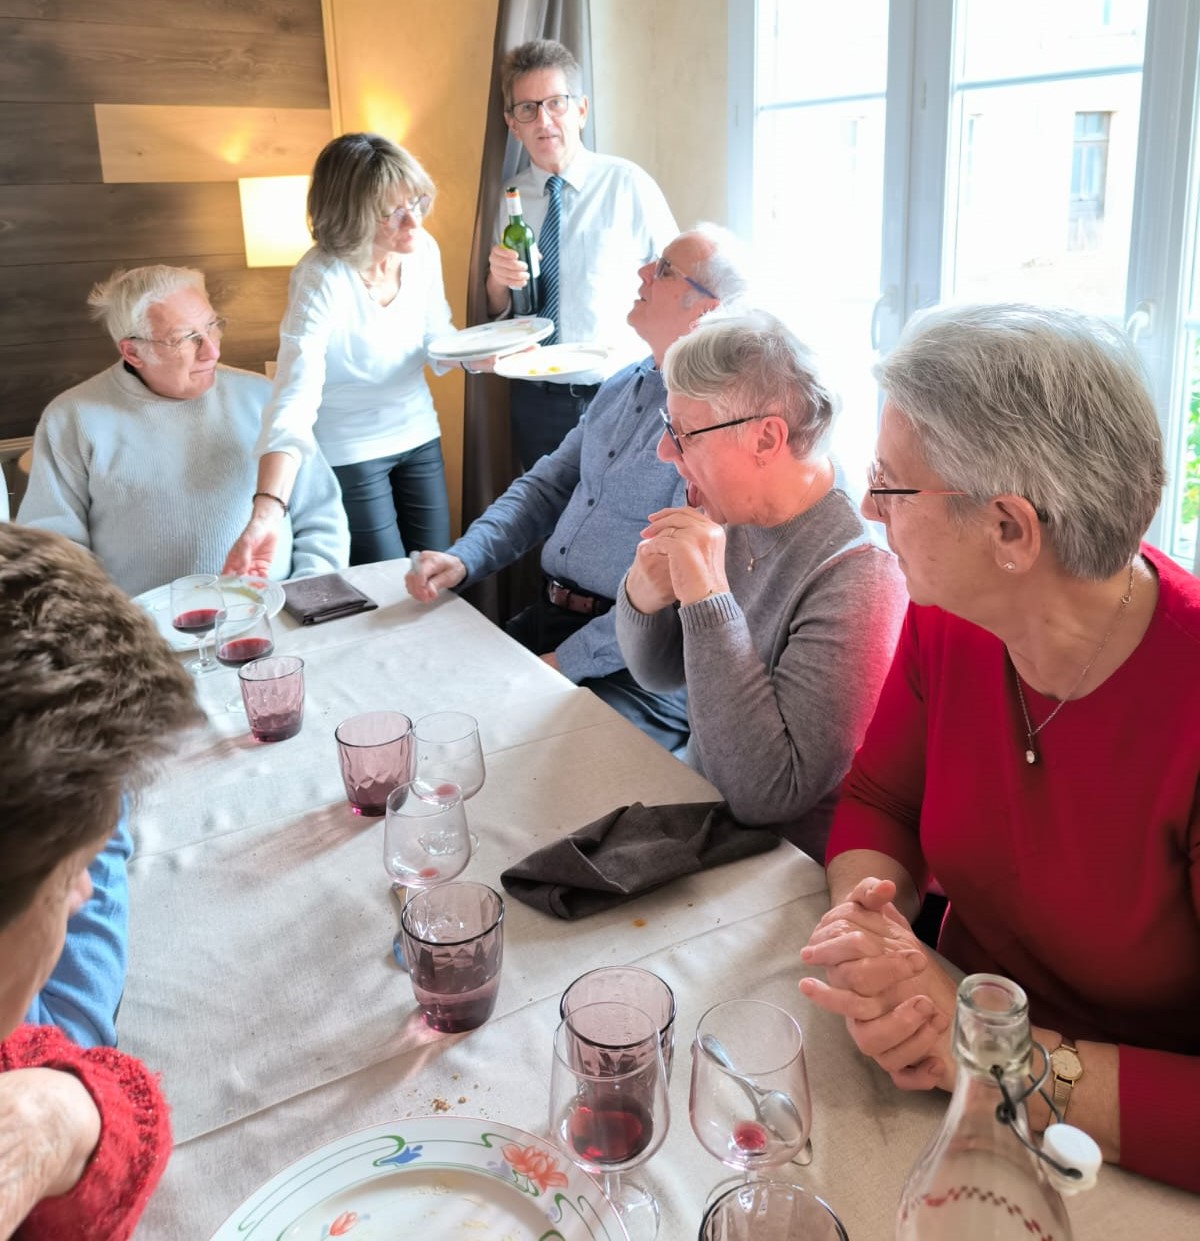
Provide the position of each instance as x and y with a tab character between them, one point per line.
239	651
196	620
609	1129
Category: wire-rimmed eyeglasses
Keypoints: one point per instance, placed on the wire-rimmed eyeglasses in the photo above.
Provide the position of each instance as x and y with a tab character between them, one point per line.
664	268
213	330
677	437
881	496
415	210
527	109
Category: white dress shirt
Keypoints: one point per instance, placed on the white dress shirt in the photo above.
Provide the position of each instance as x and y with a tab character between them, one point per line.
614	218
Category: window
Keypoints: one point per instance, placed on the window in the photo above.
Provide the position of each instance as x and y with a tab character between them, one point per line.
905	153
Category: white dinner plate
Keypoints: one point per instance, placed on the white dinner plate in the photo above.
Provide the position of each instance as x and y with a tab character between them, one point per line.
429	1177
234	590
553	362
490	339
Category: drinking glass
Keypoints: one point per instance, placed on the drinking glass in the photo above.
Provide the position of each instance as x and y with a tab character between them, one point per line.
454	944
273	692
627	984
195	602
242	633
448	745
770	1211
375	754
425	839
750	1104
608	1102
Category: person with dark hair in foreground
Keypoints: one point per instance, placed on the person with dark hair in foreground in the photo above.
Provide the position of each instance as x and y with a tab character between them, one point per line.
90	695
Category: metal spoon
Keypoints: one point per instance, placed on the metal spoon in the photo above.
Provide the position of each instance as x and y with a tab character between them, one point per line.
773	1108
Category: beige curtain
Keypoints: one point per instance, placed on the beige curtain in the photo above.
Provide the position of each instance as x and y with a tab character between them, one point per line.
488	465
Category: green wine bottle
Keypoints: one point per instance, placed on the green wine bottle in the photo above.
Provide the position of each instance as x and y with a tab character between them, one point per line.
518	236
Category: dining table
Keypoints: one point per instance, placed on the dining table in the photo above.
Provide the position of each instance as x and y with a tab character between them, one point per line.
263	988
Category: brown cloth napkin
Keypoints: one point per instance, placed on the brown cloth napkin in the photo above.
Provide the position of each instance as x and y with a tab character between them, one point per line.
631	850
314	600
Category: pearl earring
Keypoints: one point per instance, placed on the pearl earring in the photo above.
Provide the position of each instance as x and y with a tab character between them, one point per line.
1008	564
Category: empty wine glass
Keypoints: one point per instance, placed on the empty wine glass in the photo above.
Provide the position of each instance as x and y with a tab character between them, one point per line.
608	1103
242	633
195	601
448	744
750	1104
425	839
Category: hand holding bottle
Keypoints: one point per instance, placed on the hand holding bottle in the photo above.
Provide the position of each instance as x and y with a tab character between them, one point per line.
506	267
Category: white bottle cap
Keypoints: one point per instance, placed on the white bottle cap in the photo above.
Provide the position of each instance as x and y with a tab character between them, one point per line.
1072	1148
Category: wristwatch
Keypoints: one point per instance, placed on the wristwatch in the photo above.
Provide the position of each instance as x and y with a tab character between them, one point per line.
1067	1069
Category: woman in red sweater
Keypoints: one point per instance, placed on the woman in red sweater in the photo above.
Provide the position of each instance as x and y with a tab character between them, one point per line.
1036	744
89	694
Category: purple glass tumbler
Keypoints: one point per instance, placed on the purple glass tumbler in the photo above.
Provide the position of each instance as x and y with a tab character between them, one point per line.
375	751
273	693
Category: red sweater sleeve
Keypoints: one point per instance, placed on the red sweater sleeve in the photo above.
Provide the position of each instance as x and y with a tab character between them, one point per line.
135	1138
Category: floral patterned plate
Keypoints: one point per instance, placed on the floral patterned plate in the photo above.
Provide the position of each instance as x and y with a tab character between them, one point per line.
430	1176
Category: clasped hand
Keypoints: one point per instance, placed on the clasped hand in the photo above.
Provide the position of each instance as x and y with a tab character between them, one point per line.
681	558
898	1003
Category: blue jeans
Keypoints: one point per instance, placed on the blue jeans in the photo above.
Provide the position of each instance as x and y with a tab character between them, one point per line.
396	504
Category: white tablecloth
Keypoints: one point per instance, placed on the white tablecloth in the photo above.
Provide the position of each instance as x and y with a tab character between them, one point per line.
262	983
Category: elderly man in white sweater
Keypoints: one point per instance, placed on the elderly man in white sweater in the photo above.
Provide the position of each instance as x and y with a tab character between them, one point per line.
150	464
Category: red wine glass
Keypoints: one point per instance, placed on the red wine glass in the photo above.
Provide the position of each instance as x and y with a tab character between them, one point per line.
608	1102
750	1104
195	602
242	633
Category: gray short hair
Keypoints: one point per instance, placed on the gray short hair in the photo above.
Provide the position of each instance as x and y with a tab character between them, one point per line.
746	362
353	182
539	54
1046	403
726	270
121	301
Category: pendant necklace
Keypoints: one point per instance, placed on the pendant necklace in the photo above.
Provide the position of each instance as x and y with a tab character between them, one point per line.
1031	753
754	559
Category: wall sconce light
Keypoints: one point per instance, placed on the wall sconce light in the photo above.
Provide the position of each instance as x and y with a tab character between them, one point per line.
274	224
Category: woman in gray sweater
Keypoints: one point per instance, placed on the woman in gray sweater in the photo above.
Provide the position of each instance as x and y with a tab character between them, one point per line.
765	595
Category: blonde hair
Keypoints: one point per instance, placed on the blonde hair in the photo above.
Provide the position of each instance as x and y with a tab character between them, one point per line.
121	301
353	181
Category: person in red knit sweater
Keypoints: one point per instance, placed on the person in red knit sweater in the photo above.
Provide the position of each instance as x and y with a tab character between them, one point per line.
1035	746
89	695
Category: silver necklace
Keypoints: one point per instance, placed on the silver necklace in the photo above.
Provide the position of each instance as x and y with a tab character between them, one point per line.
1031	754
754	559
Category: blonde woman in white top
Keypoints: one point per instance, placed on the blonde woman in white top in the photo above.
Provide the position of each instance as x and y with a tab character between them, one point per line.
363	304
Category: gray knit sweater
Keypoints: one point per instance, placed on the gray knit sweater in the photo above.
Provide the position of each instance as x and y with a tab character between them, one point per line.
783	670
157	488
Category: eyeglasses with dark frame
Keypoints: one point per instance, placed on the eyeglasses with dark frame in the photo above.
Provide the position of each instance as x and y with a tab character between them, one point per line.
677	437
664	268
527	110
212	330
417	209
880	495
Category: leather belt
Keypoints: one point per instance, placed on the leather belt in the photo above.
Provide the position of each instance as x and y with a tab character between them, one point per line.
575	391
563	596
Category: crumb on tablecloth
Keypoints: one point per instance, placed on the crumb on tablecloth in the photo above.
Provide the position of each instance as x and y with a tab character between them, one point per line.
440	1105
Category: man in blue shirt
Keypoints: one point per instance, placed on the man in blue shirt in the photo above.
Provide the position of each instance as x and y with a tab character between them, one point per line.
590	498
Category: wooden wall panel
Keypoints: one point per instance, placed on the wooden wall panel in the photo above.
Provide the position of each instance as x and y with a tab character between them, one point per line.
128	223
301	17
88	62
143	143
46	142
49	302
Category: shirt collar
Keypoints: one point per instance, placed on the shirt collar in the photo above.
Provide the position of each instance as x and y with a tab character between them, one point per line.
575	174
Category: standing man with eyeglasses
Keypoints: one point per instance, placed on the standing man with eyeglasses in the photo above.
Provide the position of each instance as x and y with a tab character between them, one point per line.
149	464
597	219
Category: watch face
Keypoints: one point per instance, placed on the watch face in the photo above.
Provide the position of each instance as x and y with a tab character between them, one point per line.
1066	1064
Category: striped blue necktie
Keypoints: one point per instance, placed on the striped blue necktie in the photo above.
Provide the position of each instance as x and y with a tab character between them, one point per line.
548	245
